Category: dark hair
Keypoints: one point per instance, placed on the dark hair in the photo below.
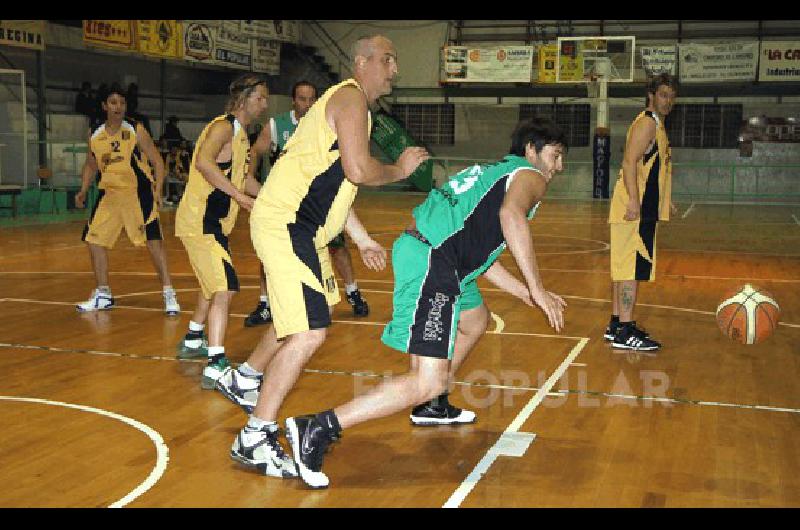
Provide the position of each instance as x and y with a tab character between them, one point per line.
536	131
241	87
105	91
656	81
303	83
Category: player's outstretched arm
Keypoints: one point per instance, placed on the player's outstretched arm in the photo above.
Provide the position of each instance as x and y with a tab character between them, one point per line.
372	253
501	278
528	188
347	112
206	161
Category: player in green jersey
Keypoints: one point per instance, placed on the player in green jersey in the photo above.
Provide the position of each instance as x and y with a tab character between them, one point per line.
438	313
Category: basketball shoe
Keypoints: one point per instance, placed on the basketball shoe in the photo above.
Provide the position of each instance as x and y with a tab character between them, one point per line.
360	306
171	305
213	370
309	440
101	300
613	327
193	346
260	315
629	337
240	389
439	411
260	448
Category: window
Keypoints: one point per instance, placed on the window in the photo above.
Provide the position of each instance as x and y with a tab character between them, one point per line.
574	120
704	126
428	123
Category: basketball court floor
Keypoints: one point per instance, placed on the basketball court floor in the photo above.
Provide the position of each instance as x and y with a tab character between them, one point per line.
97	411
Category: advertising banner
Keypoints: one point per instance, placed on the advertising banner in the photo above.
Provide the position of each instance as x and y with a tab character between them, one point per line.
659	59
199	41
266	56
232	49
22	33
547	63
730	61
162	38
117	34
506	64
780	61
601	157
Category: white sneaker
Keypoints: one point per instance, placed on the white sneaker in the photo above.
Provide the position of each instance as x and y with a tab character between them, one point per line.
171	305
99	301
240	389
260	448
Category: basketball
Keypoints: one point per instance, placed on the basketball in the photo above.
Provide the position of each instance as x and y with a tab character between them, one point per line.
748	315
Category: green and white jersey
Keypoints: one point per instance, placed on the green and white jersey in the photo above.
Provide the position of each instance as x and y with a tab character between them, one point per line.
282	128
462	217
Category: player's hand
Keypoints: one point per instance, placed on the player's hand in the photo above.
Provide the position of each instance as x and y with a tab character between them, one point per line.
244	200
632	211
80	199
373	255
552	305
410	159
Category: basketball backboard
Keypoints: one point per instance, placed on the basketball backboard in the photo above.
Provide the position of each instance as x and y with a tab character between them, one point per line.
588	59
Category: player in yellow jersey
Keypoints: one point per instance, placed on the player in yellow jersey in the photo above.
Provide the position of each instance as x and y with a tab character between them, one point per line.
274	137
642	197
120	149
217	186
304	204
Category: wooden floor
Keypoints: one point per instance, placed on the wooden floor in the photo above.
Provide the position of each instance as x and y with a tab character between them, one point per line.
96	411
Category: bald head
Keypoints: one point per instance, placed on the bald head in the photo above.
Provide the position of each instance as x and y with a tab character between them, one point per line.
366	46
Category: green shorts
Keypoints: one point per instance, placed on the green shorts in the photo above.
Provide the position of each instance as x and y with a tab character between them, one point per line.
427	300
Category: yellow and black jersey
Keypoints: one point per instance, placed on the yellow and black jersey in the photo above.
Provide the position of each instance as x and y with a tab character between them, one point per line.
120	161
307	184
653	177
205	209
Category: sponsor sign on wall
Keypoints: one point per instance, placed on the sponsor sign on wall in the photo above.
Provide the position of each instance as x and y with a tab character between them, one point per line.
162	38
266	56
499	64
730	61
659	59
547	63
118	34
199	41
780	61
22	33
232	50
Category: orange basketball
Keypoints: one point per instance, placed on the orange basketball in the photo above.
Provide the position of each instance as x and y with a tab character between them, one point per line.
748	315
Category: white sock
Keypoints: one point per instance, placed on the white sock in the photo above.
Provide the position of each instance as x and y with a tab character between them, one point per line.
194	343
264	299
168	288
215	350
258	423
247	370
194	326
350	287
104	288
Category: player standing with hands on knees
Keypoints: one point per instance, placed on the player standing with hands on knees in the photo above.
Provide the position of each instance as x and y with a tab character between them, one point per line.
438	313
642	197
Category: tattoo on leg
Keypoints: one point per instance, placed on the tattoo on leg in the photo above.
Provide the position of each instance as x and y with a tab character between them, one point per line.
627	297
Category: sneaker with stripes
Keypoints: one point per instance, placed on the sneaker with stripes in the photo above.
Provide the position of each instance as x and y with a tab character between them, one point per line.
629	337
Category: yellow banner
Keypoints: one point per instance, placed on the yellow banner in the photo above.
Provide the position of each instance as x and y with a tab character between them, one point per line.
22	33
163	38
117	34
547	63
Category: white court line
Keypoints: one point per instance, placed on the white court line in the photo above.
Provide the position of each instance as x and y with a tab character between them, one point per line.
500	324
688	210
511	435
162	451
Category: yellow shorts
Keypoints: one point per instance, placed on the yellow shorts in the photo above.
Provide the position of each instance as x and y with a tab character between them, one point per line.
211	262
300	280
633	251
117	208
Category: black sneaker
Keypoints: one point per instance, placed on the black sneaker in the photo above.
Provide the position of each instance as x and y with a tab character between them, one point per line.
360	307
632	338
440	414
613	328
261	315
309	441
196	352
